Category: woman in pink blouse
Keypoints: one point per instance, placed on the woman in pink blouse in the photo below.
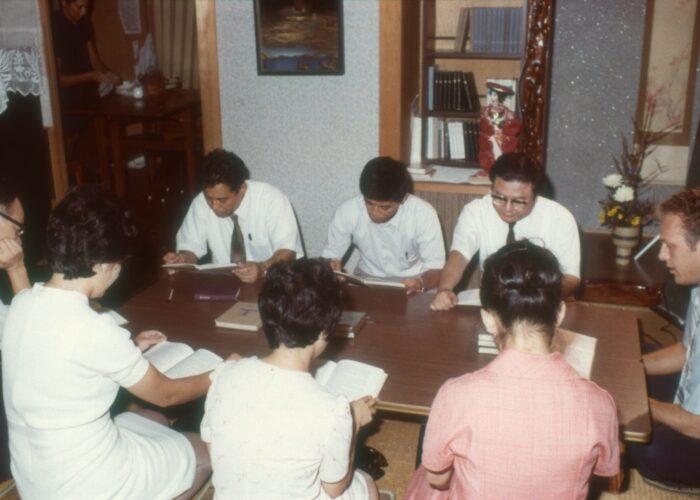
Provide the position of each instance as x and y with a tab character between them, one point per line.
526	425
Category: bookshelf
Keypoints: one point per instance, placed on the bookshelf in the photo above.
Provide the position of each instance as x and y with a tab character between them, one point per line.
516	45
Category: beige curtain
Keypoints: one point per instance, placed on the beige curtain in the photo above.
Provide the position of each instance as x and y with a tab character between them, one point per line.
176	40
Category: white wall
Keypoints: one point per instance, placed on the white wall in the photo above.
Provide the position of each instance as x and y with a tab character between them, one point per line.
308	135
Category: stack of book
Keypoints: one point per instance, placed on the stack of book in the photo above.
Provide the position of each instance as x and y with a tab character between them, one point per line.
452	91
419	173
496	30
452	139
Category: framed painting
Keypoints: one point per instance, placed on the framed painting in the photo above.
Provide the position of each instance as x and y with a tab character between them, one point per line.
299	37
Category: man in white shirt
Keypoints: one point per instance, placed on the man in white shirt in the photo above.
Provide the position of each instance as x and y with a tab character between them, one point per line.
397	234
673	373
11	229
241	221
513	211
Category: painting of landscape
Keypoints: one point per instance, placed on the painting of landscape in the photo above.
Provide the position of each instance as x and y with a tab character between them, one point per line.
299	37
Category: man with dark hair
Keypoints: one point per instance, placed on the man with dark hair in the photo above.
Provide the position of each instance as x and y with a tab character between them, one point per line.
513	211
11	228
671	460
397	234
241	221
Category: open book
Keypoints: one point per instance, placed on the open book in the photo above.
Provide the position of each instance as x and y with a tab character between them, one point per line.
177	360
200	267
350	378
357	280
240	316
469	298
578	349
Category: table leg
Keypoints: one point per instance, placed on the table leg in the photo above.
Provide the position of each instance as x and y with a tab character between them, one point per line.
116	134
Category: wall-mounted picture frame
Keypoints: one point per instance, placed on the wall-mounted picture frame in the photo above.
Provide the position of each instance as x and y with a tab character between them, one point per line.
299	37
670	50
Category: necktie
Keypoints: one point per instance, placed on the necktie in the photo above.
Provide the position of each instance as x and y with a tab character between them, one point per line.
237	242
511	234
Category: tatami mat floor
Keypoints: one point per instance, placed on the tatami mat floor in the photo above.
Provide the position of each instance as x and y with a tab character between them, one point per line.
398	439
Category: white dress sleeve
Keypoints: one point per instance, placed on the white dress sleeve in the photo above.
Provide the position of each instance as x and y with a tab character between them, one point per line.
431	246
339	232
108	349
283	230
466	239
192	235
566	246
336	453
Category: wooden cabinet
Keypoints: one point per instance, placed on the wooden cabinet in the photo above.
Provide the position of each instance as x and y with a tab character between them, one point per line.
439	21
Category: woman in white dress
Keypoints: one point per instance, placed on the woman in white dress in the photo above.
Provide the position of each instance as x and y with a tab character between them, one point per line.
273	431
63	364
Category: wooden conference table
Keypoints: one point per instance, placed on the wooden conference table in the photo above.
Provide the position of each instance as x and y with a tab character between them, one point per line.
112	113
418	348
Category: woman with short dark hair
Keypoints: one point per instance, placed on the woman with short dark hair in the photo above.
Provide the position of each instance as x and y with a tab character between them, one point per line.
63	364
526	425
273	431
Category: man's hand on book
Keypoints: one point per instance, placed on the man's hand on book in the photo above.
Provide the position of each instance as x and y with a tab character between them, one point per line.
444	300
183	257
363	410
149	338
337	267
248	272
413	285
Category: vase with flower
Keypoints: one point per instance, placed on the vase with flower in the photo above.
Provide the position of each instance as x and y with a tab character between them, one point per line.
627	207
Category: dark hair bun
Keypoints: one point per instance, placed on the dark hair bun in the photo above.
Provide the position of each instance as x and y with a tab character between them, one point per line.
522	282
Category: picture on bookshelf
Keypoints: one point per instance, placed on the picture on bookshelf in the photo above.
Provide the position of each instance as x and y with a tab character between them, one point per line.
299	37
499	126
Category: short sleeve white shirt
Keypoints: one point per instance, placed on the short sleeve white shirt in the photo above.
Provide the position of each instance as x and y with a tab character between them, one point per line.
688	393
408	244
275	433
267	222
549	225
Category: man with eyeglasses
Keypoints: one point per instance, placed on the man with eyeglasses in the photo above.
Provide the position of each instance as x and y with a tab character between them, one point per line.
11	229
513	211
397	235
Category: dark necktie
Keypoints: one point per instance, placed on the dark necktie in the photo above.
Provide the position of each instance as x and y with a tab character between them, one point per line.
237	242
511	234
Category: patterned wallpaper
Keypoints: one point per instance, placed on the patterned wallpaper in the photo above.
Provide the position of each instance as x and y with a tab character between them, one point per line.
595	80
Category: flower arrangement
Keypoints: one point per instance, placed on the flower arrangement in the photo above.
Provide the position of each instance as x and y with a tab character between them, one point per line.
625	205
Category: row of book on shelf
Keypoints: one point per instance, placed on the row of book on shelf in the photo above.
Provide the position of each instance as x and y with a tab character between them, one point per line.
452	91
491	30
452	139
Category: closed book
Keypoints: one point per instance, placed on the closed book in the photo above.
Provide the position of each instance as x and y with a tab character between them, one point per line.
240	316
350	323
219	291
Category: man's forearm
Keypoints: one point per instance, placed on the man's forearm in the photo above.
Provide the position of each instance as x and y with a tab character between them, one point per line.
453	270
675	417
18	278
665	361
431	279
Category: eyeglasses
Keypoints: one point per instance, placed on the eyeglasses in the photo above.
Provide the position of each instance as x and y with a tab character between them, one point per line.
502	201
17	223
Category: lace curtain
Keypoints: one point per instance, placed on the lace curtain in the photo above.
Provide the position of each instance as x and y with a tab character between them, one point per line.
22	68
